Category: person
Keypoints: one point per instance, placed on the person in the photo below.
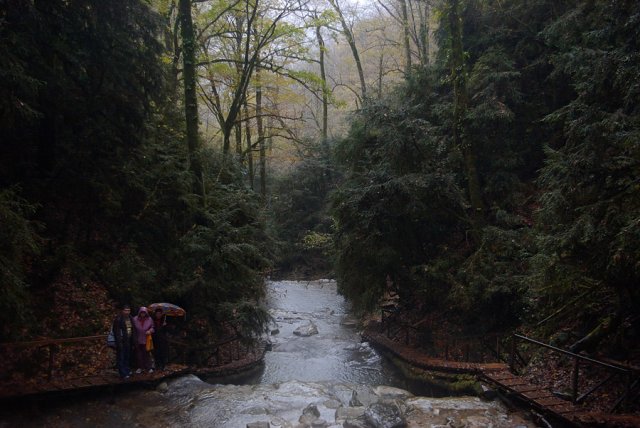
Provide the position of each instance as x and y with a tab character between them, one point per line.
160	344
144	327
123	331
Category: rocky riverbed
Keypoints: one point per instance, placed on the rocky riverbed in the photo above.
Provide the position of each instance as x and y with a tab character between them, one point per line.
324	404
317	375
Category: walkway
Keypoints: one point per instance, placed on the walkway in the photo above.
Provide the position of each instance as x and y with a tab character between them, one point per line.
230	361
501	377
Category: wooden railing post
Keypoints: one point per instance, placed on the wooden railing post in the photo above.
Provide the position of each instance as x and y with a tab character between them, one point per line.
574	380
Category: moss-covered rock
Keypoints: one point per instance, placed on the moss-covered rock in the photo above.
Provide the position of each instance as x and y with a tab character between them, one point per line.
449	383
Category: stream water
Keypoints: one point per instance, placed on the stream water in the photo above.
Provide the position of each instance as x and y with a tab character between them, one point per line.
326	379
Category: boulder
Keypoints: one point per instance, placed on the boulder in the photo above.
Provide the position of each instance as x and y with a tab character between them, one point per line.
346	413
354	402
384	415
360	422
309	415
306	330
319	423
488	393
391	393
311	410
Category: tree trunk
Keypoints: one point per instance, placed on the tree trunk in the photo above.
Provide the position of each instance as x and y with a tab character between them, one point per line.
190	99
238	55
423	37
323	77
247	133
380	74
238	134
226	137
261	139
352	44
407	38
461	101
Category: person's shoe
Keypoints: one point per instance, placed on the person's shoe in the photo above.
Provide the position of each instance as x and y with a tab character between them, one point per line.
138	371
150	370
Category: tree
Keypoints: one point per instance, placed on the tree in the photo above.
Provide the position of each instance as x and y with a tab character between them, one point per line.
190	98
348	34
588	219
460	104
323	78
256	26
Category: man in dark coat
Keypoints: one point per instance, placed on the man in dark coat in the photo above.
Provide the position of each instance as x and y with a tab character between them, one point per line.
123	330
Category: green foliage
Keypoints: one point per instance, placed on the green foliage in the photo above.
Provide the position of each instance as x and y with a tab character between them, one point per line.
398	205
418	230
590	206
300	214
20	243
93	134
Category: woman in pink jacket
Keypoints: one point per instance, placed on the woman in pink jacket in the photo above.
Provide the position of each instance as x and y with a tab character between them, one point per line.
144	328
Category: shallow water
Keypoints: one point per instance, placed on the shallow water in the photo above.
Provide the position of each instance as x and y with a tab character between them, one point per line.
331	370
334	354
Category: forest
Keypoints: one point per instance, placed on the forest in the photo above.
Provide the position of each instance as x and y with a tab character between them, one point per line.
481	158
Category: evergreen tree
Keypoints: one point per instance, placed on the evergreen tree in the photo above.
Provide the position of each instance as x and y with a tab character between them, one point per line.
590	203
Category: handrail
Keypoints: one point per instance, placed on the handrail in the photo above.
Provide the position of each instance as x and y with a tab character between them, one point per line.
626	373
571	354
51	341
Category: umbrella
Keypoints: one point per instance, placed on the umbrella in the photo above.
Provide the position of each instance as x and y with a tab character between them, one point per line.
168	309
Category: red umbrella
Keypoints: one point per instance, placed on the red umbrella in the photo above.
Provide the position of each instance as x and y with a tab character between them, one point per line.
168	309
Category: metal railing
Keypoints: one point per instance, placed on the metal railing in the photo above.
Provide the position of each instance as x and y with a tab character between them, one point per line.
226	350
626	373
53	347
451	347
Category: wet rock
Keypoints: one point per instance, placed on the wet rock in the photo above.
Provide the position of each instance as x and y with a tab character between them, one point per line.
346	413
488	393
163	388
391	393
383	415
454	423
354	402
258	425
306	330
311	410
332	404
309	415
278	422
275	331
255	410
306	420
319	423
478	422
360	422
